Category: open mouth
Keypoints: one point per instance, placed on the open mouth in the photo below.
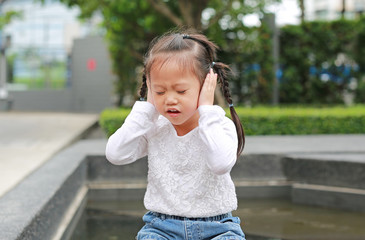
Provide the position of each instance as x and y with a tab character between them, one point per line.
173	112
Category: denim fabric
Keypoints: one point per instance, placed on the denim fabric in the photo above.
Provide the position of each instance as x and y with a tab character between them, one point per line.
165	227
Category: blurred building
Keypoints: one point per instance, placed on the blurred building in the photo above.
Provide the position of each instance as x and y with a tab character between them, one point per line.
41	41
57	62
332	9
49	26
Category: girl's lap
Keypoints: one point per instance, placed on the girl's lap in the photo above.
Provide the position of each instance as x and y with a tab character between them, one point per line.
166	229
150	236
229	236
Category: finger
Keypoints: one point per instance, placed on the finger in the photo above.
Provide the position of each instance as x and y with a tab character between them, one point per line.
212	79
207	91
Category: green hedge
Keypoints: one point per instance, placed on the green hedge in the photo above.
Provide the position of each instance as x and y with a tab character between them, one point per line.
313	48
276	120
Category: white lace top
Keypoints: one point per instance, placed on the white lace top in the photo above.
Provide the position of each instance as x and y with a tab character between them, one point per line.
188	175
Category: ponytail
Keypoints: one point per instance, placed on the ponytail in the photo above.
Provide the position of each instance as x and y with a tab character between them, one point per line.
222	71
143	90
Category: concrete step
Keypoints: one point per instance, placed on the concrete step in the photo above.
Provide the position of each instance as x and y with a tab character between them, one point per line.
328	169
328	196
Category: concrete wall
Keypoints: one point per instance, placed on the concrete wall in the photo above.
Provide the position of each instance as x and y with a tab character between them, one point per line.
41	100
90	90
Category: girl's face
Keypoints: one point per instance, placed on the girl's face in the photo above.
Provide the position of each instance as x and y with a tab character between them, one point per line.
175	95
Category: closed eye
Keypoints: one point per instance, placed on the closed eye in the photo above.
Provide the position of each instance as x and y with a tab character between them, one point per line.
160	93
181	92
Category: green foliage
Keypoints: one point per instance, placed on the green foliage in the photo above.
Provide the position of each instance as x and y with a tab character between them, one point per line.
360	92
306	51
111	119
302	120
131	25
8	17
359	44
275	120
312	51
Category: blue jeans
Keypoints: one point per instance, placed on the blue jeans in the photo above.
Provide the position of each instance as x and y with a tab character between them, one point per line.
165	227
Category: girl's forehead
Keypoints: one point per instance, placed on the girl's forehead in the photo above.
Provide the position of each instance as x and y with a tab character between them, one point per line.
174	75
172	67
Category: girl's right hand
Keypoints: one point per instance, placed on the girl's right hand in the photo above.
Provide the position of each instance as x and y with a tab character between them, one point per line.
207	92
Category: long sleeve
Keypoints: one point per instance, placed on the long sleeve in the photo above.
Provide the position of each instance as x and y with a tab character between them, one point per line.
219	134
129	142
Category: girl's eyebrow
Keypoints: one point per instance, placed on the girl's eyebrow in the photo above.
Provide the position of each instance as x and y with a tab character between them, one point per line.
174	85
157	85
180	85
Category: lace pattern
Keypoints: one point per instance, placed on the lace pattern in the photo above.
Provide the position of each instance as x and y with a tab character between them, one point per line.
179	180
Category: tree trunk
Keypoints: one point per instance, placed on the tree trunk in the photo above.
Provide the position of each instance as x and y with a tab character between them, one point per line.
161	7
343	11
302	11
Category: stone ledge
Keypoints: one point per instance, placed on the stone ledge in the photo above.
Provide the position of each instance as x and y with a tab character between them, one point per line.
332	197
35	209
134	190
340	170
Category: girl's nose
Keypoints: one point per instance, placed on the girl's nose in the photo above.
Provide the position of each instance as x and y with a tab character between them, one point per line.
171	99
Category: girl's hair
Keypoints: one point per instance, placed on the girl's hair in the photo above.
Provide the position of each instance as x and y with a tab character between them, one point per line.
195	53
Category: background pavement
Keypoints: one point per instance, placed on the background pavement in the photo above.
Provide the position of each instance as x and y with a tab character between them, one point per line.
27	140
306	144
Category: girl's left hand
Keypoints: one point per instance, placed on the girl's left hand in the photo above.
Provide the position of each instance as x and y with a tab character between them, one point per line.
207	92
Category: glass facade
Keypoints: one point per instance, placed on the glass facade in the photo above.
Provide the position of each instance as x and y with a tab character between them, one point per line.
332	9
41	42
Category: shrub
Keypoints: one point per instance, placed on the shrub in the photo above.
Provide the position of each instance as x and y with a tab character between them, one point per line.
111	119
302	120
360	92
277	120
320	60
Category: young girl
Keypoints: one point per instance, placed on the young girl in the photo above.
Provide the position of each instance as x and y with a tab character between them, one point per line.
191	145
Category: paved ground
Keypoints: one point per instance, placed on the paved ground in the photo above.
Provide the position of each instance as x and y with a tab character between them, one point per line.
27	140
333	144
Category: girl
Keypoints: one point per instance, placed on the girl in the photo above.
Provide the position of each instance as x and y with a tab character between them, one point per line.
191	145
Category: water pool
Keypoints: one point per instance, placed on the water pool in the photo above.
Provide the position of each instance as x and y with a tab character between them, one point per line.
262	219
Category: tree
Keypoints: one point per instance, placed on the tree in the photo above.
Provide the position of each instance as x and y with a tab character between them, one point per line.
131	25
302	10
8	17
343	9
